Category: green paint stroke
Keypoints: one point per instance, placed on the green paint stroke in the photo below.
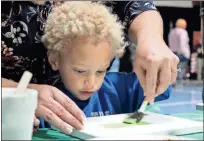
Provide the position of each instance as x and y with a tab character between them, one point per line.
126	123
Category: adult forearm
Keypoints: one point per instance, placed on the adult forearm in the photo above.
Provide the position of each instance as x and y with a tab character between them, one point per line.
8	83
11	83
148	25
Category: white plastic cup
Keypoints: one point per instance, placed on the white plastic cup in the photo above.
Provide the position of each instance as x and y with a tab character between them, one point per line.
18	112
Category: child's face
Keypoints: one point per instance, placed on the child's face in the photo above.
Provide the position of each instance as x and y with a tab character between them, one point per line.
83	66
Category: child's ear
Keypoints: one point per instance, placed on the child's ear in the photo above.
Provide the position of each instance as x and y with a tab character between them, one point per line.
53	58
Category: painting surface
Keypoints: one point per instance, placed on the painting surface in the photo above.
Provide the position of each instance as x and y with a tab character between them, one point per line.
126	123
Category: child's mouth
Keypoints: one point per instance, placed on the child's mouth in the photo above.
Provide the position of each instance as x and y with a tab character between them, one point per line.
86	92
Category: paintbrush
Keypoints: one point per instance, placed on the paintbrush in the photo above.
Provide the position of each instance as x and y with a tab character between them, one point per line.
140	113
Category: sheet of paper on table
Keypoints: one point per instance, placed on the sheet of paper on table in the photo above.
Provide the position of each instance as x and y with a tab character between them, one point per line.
143	137
107	126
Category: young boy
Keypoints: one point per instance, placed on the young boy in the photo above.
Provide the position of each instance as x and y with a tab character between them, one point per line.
82	37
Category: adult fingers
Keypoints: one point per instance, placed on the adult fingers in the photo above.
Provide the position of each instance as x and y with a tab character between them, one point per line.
164	77
174	72
69	105
63	114
151	79
36	122
52	118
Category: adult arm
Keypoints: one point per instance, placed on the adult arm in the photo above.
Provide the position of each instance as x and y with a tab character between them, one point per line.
155	64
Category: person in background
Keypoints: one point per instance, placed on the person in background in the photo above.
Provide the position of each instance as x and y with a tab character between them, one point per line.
179	44
23	25
81	44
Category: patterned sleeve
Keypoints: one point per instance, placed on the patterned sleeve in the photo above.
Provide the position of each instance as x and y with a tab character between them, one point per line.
135	8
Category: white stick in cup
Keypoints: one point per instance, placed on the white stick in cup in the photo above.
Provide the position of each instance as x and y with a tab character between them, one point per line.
23	83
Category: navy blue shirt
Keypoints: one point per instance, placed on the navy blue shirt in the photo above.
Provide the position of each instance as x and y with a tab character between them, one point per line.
119	93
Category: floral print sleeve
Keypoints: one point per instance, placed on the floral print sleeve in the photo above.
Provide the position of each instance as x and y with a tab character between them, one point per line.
21	48
129	10
22	26
135	8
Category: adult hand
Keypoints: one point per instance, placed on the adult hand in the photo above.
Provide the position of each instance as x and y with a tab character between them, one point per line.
155	66
36	124
58	109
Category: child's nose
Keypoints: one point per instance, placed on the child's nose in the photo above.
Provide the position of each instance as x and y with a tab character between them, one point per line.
90	82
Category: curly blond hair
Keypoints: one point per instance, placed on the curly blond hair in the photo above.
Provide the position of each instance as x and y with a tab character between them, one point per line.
73	20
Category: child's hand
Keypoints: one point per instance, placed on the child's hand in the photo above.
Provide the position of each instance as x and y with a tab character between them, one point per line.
56	108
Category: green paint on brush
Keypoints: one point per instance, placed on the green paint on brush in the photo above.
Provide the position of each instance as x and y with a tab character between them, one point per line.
126	123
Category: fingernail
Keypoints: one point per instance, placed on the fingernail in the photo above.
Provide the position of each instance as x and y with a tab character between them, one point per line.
83	117
36	122
82	128
152	102
68	129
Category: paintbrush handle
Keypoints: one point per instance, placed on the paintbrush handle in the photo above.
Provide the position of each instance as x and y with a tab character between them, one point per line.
24	81
143	106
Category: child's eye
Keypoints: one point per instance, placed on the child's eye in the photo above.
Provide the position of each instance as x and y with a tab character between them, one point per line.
79	71
101	72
